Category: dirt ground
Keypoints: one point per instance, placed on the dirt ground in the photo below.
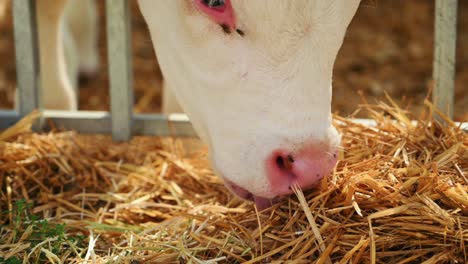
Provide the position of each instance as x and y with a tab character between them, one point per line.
388	48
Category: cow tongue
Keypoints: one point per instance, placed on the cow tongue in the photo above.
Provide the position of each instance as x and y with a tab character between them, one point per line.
262	203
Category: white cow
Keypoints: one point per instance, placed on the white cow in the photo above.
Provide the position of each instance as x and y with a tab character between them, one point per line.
255	78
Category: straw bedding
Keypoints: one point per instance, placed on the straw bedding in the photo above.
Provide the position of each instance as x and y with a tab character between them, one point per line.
398	195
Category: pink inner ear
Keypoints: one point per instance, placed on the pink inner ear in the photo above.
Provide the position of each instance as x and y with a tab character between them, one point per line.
222	15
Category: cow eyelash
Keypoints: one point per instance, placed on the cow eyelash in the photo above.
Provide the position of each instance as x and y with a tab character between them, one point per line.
214	3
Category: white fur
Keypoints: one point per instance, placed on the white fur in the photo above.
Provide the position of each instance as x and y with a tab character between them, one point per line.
82	20
247	96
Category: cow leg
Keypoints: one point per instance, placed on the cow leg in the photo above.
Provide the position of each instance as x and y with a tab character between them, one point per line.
57	89
82	19
71	59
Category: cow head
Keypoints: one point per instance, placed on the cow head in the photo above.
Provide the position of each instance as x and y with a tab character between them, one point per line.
255	78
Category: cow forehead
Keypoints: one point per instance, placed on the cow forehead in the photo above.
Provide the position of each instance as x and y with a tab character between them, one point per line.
272	15
282	27
277	14
289	22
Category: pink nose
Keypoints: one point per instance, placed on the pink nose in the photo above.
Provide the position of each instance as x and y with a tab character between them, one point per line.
305	168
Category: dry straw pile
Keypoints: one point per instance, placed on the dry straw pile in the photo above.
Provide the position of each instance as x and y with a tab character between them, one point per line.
398	195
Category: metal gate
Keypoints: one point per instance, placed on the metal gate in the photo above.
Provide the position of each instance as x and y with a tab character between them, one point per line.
122	123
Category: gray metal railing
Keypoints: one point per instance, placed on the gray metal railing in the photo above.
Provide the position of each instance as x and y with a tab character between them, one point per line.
27	57
445	35
122	123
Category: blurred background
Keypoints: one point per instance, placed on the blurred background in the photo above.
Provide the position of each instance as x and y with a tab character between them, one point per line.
388	48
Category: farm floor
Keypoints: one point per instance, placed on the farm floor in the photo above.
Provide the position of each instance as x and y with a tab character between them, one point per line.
397	195
387	49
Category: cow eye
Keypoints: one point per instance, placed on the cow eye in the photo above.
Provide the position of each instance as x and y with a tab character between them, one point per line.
220	11
214	3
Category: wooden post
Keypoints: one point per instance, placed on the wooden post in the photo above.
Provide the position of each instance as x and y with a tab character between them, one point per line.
120	68
444	55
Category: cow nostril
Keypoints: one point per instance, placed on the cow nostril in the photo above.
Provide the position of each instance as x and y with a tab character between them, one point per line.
280	162
284	163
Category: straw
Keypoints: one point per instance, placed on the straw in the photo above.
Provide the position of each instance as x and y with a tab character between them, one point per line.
399	194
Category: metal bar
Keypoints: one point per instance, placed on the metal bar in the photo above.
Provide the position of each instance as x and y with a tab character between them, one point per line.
444	55
120	67
8	118
89	122
174	125
98	122
27	66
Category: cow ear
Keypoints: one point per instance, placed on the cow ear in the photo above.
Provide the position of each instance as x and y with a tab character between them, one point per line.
369	3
